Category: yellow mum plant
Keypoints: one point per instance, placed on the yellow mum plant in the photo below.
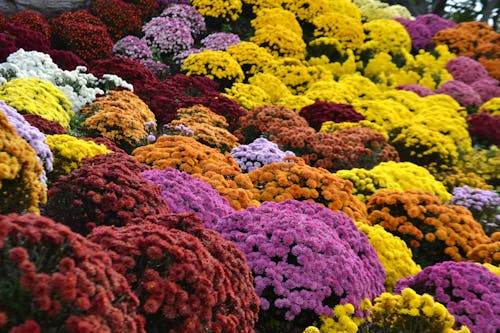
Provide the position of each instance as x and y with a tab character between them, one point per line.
364	87
492	106
21	189
260	4
347	30
294	102
386	35
120	116
228	10
331	127
188	155
39	97
386	113
307	10
396	176
219	66
248	96
251	57
209	128
346	7
69	151
271	85
280	41
271	17
330	91
485	163
327	53
392	252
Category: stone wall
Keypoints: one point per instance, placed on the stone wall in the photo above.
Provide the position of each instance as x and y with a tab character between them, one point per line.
50	8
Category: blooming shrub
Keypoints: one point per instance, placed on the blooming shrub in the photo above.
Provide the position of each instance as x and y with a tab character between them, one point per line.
417	89
487	88
344	28
31	20
293	179
83	33
469	292
8	46
120	157
36	96
102	194
216	65
466	70
20	172
280	41
222	10
44	125
120	116
483	204
185	193
133	47
68	152
273	16
461	92
421	37
66	60
384	35
168	35
25	38
251	57
306	10
319	112
435	232
257	154
186	12
435	23
219	41
248	96
59	280
295	249
180	285
392	252
393	176
208	164
209	128
484	163
120	17
131	70
484	128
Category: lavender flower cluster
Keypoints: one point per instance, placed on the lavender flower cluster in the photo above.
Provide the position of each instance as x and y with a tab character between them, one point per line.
32	135
167	3
487	88
220	41
461	92
186	12
417	89
470	292
300	258
421	37
257	154
185	193
132	47
483	204
466	69
435	23
168	35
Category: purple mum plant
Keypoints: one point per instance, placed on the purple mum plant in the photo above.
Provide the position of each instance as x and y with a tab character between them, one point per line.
417	89
421	37
435	23
185	193
257	154
305	258
186	12
132	47
470	292
466	70
168	35
220	41
461	92
483	204
487	88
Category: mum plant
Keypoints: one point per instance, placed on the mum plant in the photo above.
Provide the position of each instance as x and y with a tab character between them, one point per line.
55	279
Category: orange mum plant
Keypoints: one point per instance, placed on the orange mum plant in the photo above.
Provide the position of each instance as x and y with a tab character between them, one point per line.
435	232
188	155
294	179
488	253
120	116
209	128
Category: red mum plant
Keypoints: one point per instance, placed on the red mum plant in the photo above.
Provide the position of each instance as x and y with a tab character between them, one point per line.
8	46
121	18
82	33
117	157
131	70
56	280
181	286
44	125
102	194
25	38
147	8
31	20
66	59
484	128
107	143
319	112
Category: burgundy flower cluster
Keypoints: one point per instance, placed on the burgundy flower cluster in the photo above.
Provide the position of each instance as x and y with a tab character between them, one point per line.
120	17
31	20
185	193
484	128
26	38
44	125
305	259
83	33
66	60
8	45
108	144
181	286
470	292
106	193
131	70
60	281
319	112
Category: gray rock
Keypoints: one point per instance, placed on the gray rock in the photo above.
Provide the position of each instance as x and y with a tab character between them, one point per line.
50	8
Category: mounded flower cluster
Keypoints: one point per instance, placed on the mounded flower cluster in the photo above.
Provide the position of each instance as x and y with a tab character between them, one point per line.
180	285
83	33
168	36
20	173
393	176
319	112
484	128
484	163
185	193
26	38
466	70
469	291
40	97
186	12
31	20
44	125
257	154
68	151
66	59
220	41
131	46
188	155
483	204
57	280
120	116
251	57
225	10
293	179
435	232
461	92
120	17
102	194
303	257
392	252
